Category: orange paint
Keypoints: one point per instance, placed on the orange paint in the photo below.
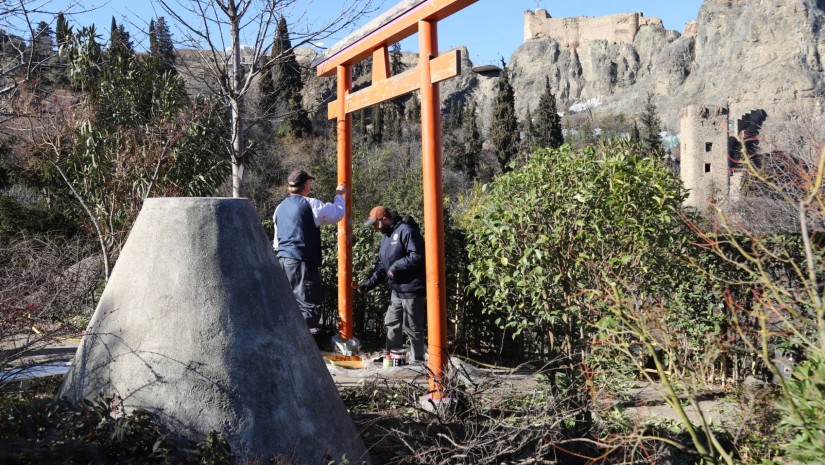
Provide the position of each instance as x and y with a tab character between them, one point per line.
441	68
433	208
345	225
380	64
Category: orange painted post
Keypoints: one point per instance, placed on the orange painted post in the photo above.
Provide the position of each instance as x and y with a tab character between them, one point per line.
345	226
433	208
380	64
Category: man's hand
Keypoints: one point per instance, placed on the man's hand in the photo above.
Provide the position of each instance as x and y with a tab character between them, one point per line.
358	288
390	274
341	189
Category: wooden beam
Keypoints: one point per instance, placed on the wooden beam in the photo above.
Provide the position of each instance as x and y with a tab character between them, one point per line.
380	64
395	30
442	68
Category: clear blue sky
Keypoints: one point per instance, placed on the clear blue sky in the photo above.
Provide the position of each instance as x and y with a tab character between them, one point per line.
489	28
493	28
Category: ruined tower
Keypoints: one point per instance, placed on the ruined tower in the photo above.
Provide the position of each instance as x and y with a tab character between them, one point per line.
704	154
712	152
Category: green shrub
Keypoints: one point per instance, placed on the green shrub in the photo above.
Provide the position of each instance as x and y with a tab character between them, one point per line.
803	410
542	238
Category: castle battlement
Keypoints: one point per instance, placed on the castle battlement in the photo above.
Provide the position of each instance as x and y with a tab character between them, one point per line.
572	32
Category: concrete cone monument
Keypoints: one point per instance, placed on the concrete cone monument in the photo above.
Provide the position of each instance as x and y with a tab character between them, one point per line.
198	325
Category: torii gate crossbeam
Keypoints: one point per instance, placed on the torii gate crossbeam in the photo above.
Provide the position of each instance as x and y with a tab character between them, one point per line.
374	39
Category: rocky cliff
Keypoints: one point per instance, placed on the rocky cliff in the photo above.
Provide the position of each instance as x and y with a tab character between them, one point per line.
741	53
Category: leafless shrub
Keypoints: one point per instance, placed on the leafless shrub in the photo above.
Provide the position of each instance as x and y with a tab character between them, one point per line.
47	291
491	417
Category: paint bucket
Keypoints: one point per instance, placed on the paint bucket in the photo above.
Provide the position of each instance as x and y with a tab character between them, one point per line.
399	357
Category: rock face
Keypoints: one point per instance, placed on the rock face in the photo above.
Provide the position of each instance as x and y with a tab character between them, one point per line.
760	54
199	326
741	53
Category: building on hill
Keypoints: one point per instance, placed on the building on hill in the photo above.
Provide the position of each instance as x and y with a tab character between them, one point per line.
711	152
572	32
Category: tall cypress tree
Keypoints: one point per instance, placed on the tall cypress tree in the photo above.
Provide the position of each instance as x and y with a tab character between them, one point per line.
63	31
451	119
529	140
397	66
267	99
458	114
376	131
161	46
651	129
472	141
41	42
398	124
635	135
504	127
40	52
120	43
288	83
414	109
548	131
153	45
63	36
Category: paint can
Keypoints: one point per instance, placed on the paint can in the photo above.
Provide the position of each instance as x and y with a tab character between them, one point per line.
387	361
399	357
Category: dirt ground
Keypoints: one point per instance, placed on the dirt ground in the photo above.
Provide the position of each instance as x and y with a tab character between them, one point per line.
641	401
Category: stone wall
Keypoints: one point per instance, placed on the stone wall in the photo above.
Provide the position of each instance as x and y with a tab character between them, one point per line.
572	32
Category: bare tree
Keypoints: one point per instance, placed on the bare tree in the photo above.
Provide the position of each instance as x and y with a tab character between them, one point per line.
20	61
46	283
233	38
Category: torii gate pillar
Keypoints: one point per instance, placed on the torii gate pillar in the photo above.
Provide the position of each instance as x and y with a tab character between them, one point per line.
374	39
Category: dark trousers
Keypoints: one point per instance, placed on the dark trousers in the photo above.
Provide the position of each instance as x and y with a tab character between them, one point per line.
305	280
406	316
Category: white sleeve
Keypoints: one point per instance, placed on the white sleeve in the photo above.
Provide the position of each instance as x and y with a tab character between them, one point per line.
327	213
275	229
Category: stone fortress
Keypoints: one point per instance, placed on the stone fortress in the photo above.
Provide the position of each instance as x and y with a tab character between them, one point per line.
711	148
572	32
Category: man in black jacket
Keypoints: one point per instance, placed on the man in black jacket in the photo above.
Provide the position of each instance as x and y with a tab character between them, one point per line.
401	262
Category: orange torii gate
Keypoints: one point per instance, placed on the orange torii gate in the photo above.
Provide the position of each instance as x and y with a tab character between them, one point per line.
374	39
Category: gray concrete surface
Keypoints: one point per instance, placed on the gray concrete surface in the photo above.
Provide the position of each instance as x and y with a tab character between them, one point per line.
198	325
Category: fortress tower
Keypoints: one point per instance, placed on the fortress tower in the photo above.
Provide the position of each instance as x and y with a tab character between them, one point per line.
704	154
712	152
